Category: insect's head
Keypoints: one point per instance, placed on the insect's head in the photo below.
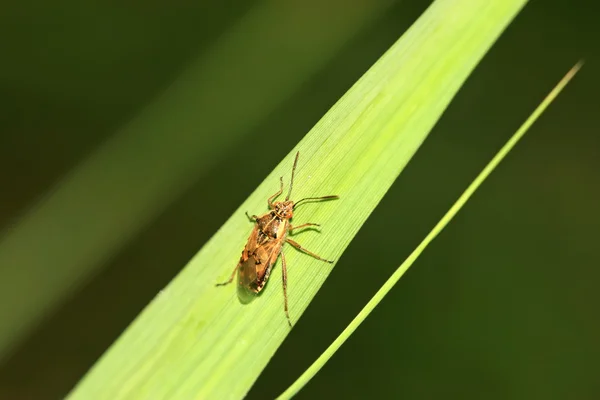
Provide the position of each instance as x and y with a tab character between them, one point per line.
284	209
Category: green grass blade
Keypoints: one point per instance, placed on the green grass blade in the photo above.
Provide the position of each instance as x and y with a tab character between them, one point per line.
129	180
196	340
389	284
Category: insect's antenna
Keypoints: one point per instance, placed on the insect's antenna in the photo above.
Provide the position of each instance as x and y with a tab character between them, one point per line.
292	180
316	198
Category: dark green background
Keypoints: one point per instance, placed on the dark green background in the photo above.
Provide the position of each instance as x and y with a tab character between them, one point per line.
502	305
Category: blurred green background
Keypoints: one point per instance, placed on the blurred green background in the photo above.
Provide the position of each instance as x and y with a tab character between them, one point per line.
502	305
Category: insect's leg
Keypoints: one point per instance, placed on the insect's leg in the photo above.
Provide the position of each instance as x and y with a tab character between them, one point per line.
270	200
284	281
310	253
252	218
302	226
231	277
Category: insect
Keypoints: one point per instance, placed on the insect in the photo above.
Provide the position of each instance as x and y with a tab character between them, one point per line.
266	241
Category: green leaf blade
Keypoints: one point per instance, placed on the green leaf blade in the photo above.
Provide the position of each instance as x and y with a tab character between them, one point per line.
196	340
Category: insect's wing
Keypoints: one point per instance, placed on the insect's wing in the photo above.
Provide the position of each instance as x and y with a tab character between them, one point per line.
247	281
251	244
257	260
267	253
247	276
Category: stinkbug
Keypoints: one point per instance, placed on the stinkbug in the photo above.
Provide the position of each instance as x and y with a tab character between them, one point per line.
266	241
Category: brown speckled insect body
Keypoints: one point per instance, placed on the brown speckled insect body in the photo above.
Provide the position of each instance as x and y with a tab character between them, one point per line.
265	243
